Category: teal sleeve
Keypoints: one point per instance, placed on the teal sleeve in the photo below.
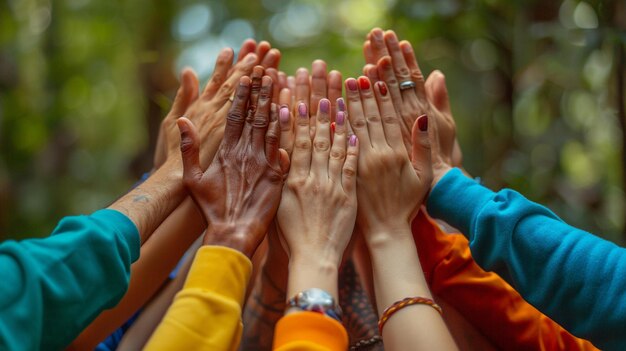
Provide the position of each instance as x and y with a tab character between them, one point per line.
52	288
574	277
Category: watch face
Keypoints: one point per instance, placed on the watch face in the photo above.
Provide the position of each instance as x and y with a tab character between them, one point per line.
316	298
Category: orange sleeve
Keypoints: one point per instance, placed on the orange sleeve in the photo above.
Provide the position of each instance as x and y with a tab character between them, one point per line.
483	298
309	331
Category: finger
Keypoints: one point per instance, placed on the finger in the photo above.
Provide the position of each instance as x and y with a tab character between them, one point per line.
282	80
318	85
385	73
338	149
421	158
334	91
378	45
355	111
186	94
301	155
286	129
190	151
262	114
371	72
285	97
220	72
291	83
255	88
416	73
390	119
272	138
302	87
367	52
400	68
273	73
272	59
321	143
437	92
372	114
237	113
241	69
248	46
262	49
350	165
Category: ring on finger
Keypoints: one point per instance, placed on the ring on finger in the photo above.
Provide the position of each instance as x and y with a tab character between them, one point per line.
407	84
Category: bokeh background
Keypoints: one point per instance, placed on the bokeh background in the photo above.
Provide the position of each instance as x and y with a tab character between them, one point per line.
537	90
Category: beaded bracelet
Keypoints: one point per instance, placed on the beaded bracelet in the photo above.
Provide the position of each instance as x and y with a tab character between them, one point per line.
398	305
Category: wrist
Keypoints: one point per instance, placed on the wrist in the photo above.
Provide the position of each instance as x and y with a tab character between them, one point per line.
389	236
234	238
306	273
439	171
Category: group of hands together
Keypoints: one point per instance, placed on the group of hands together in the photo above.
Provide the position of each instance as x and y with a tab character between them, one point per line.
263	151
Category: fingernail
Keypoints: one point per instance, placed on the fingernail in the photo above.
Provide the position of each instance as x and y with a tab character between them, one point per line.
284	115
378	34
302	110
422	123
352	140
351	83
341	118
382	87
325	105
332	127
364	83
341	104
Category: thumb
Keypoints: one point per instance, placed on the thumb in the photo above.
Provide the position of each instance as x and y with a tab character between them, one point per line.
187	93
437	92
284	161
421	153
190	150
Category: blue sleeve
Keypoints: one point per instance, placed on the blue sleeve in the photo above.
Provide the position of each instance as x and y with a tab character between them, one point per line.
574	277
52	288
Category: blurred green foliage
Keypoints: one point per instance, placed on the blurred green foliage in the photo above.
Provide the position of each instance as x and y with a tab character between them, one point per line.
536	88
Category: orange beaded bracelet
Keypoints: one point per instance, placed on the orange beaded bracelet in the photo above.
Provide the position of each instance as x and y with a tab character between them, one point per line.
398	305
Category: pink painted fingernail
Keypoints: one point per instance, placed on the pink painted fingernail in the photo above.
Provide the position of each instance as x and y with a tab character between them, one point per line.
302	110
341	104
284	115
351	83
341	118
325	105
352	140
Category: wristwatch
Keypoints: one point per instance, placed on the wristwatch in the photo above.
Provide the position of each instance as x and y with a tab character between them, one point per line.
316	300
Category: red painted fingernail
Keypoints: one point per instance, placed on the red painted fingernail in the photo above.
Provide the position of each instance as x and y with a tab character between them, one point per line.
332	127
341	118
351	83
352	140
422	123
382	87
364	83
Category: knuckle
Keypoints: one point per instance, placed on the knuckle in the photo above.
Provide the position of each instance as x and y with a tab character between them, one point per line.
227	88
303	144
349	171
373	119
272	138
359	123
321	144
338	154
390	119
402	72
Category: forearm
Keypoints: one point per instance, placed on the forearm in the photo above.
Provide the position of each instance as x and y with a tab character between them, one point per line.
151	202
397	275
537	252
158	257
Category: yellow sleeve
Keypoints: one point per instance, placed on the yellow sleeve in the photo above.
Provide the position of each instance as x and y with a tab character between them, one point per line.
206	313
309	331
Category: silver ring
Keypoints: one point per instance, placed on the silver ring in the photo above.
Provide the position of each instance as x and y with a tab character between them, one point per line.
407	84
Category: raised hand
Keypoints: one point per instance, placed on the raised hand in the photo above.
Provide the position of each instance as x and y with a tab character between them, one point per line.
318	207
239	192
391	187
